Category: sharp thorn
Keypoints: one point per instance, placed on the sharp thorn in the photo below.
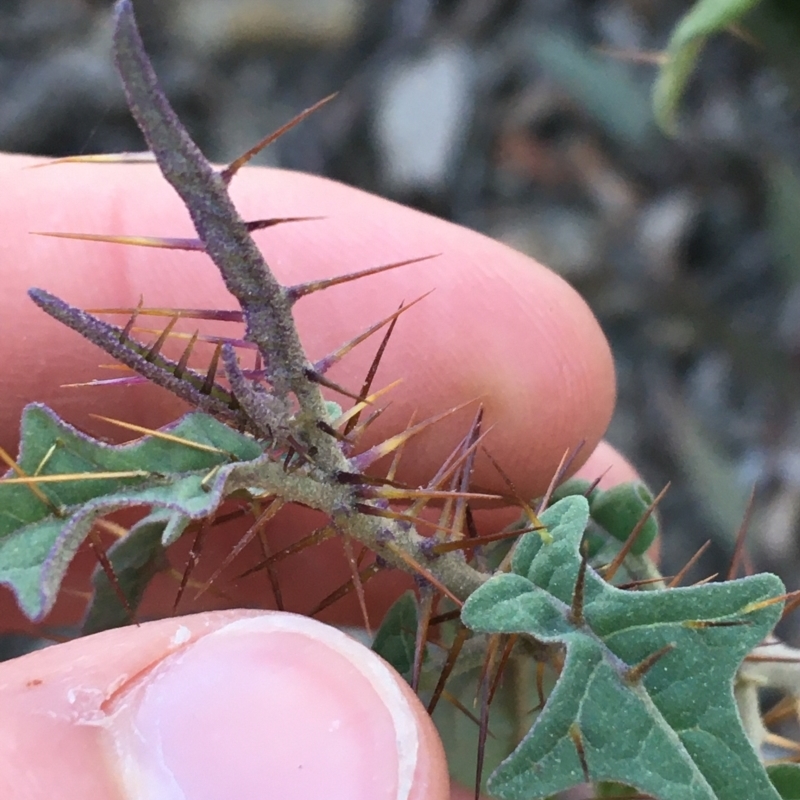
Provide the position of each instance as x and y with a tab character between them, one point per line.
183	362
636	673
416	567
738	551
421	637
387	513
331	431
392	493
676	581
358	584
391	473
364	575
369	457
596	482
558	476
100	554
373	368
456	703
504	657
452	657
478	541
462	514
314	538
315	377
126	331
272	574
191	562
159	434
367	401
269	512
159	343
99	158
302	289
23	477
752	607
228	172
577	740
532	515
190	313
448	616
261	224
163	242
484	691
208	383
576	611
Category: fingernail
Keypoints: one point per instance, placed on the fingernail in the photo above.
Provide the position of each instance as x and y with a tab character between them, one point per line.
273	706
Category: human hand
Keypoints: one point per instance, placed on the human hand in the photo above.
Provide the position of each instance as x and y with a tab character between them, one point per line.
498	328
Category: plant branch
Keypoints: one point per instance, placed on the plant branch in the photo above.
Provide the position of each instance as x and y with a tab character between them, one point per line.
265	303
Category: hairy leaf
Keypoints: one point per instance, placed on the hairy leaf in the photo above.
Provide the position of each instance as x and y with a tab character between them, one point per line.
670	728
42	524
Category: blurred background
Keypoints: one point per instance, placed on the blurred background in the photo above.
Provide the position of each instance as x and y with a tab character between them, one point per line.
531	121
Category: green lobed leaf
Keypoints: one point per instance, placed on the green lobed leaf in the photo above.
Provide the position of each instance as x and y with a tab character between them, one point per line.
705	18
39	535
674	734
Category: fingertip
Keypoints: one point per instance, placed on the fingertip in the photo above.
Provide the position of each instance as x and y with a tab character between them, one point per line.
608	465
215	705
499	328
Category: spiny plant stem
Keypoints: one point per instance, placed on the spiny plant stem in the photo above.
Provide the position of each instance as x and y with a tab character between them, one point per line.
384	536
291	416
160	370
267	310
265	303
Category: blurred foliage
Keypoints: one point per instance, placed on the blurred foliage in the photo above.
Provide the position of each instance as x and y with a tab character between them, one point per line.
772	26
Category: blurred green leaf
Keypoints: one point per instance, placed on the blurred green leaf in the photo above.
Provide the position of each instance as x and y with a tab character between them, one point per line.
786	779
783	213
605	88
394	640
705	18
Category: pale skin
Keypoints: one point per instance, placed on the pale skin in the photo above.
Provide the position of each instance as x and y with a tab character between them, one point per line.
499	329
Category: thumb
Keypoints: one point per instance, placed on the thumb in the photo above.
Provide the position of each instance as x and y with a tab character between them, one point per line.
227	704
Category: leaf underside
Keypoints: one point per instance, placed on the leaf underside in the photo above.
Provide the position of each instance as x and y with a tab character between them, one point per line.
40	531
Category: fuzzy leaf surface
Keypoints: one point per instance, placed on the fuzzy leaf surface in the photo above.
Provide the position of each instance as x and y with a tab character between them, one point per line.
674	733
40	531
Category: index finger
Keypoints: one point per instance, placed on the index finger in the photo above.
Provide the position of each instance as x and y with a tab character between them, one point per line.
499	328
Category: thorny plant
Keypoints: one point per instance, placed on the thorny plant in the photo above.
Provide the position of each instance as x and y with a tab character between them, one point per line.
562	655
